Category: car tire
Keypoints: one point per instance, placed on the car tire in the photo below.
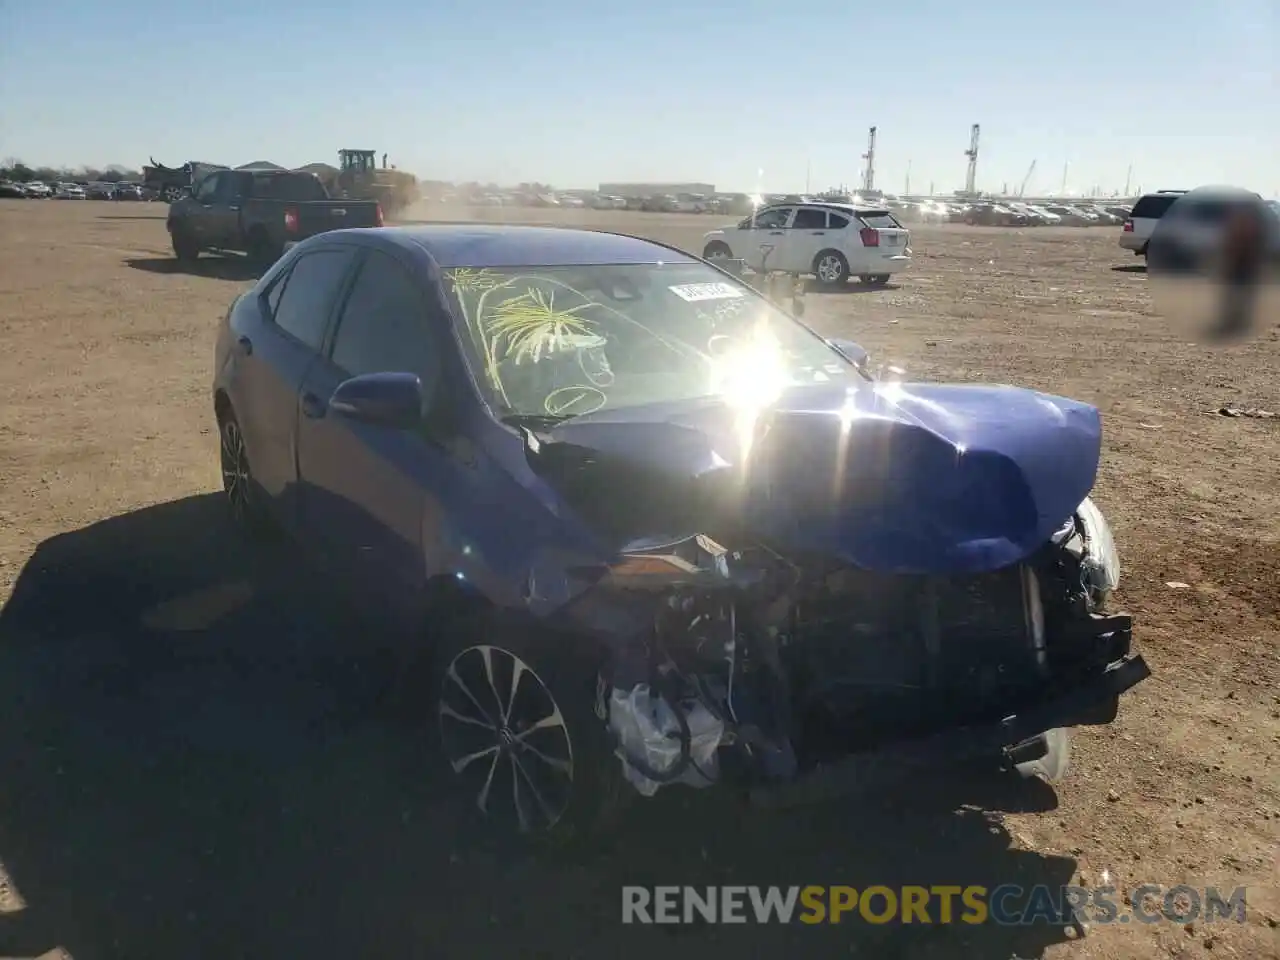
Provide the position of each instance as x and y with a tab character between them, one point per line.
831	268
262	249
172	194
514	700
238	485
715	250
185	246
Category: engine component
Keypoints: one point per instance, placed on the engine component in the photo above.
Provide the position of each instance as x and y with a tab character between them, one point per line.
661	744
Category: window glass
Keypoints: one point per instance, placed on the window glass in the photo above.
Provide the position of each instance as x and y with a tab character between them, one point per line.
298	186
774	219
1154	205
836	222
808	218
880	219
303	309
205	189
384	324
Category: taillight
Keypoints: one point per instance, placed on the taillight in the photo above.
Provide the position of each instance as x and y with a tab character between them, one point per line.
870	236
378	220
291	221
1128	226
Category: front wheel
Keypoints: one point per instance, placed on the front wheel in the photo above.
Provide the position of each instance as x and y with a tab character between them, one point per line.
518	731
831	268
185	247
172	194
717	251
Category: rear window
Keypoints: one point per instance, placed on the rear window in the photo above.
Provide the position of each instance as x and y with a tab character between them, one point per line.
1154	205
879	219
297	188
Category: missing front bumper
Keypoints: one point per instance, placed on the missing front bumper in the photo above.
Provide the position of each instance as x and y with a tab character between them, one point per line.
1091	702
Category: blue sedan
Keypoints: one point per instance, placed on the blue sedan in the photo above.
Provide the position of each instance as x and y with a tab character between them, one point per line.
653	530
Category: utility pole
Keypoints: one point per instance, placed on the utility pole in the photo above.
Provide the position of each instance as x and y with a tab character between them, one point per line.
1128	177
971	176
869	173
1065	167
808	169
906	191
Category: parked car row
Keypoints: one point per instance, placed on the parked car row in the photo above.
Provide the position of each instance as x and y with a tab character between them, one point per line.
733	203
73	190
1011	213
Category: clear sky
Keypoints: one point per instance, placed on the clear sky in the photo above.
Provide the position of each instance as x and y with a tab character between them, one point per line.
572	93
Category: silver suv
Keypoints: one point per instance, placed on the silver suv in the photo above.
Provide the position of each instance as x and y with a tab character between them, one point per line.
1136	232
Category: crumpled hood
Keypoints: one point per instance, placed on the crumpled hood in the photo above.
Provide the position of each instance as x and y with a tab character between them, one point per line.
908	478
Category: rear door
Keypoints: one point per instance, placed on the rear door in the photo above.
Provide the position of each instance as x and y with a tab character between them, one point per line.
313	210
272	359
806	236
367	490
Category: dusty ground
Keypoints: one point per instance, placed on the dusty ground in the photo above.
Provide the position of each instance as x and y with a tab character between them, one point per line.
242	790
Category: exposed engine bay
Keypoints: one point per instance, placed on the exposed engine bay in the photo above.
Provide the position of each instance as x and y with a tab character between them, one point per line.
759	667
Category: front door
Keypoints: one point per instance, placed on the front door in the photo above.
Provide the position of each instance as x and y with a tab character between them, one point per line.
273	356
764	242
369	490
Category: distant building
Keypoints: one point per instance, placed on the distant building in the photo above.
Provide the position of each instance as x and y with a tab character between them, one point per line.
655	189
260	165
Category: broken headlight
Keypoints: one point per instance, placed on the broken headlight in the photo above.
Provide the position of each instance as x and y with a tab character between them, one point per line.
1099	561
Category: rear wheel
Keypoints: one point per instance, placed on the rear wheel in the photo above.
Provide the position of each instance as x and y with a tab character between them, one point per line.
237	478
172	194
262	249
831	268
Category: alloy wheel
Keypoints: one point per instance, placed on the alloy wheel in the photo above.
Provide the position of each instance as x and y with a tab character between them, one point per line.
830	269
235	469
505	737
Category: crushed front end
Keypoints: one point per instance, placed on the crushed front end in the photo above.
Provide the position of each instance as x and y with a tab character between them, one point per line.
801	677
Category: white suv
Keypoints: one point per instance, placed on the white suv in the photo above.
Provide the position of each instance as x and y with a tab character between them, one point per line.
832	241
1136	232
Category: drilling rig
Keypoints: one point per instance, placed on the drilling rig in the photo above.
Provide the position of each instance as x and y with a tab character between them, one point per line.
869	173
971	177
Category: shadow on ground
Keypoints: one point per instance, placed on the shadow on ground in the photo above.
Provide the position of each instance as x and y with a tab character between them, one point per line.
215	267
812	285
241	787
1130	268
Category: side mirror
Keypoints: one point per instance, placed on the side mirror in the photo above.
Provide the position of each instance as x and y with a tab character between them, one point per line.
855	353
386	399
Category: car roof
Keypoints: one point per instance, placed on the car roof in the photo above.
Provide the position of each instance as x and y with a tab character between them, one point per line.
501	245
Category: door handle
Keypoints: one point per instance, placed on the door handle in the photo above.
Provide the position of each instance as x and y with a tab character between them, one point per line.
312	406
819	233
775	233
233	209
245	346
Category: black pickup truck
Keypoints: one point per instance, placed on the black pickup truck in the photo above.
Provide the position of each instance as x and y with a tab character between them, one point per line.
261	213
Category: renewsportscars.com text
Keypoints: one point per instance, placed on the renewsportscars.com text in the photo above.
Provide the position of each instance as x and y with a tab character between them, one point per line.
1008	904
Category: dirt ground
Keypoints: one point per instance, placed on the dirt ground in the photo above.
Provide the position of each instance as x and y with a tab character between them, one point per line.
241	788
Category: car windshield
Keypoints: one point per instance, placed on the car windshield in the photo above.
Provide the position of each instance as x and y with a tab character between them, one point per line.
569	340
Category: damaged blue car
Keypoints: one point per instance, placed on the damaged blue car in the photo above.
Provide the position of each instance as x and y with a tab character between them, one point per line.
654	530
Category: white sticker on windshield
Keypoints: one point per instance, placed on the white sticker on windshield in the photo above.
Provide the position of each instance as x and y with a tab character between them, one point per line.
693	292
